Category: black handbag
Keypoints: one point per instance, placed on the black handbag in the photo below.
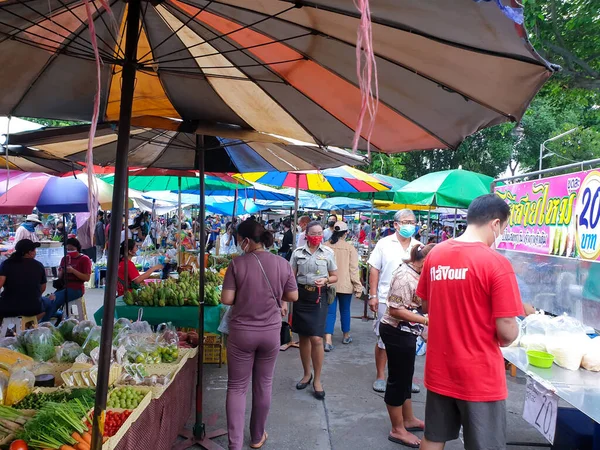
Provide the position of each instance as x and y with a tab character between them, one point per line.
286	333
59	284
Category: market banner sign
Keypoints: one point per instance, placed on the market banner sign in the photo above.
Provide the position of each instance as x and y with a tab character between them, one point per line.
554	216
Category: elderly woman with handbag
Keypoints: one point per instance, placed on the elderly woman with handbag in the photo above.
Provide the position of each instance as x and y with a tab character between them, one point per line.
257	285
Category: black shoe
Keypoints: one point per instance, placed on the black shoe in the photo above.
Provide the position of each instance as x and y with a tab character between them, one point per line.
319	395
302	385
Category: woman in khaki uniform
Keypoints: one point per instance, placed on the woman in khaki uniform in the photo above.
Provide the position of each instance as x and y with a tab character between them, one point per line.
348	282
315	268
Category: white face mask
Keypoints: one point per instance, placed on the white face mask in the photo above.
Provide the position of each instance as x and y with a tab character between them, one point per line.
497	240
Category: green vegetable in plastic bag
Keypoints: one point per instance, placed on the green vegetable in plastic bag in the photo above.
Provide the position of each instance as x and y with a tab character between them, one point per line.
12	343
66	328
39	344
82	330
68	352
57	337
92	341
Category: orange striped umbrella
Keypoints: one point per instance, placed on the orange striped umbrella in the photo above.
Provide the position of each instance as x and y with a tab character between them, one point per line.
281	67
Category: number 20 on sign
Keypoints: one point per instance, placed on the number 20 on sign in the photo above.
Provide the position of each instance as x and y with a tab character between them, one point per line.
588	217
541	408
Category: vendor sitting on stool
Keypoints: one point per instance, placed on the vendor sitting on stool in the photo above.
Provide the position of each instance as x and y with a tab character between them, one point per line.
133	275
24	280
70	286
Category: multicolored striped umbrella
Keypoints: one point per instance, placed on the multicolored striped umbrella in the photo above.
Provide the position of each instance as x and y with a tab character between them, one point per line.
341	179
47	193
160	143
22	191
445	69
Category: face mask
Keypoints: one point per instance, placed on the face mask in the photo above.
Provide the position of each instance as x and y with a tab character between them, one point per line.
314	240
72	253
245	246
497	240
331	224
407	231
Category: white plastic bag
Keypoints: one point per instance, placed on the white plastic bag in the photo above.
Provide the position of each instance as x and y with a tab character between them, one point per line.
224	325
533	332
591	359
567	341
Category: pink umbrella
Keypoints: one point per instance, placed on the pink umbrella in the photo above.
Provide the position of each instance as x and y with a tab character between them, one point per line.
10	178
47	193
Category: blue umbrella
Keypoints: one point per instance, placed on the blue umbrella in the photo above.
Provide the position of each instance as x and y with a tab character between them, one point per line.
349	203
217	205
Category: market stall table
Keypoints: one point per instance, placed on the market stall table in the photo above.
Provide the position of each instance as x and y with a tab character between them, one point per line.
179	316
580	388
161	422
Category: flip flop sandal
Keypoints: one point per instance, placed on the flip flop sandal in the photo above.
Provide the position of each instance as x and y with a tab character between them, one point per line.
379	386
401	442
411	429
262	442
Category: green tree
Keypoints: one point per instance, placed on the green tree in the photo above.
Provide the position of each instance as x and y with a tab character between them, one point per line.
567	32
51	123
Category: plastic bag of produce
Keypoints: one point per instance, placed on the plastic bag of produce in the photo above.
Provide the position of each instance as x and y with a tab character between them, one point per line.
68	352
591	359
57	337
92	341
82	330
121	324
39	344
20	385
144	354
141	327
66	328
533	335
122	327
567	341
12	343
167	342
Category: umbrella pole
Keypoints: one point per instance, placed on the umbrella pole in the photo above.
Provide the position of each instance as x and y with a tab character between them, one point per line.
455	213
126	240
372	224
65	237
127	90
294	224
178	240
199	436
235	200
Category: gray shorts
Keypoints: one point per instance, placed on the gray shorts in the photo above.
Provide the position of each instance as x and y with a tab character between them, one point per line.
484	423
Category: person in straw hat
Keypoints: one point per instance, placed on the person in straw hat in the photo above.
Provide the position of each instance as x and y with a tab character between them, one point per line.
27	229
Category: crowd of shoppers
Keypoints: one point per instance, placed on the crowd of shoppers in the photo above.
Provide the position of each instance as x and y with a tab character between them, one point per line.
411	299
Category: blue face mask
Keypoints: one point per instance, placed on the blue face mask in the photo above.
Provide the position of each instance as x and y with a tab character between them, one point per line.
407	231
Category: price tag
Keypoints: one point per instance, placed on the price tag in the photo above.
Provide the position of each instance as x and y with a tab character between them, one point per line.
587	214
541	408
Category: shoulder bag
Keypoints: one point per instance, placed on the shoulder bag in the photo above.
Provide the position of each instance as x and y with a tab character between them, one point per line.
224	325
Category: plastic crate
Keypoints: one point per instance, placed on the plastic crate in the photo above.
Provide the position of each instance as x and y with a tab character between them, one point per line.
215	354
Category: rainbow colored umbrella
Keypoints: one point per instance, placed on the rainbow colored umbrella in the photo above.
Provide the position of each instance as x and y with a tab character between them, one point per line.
47	193
340	179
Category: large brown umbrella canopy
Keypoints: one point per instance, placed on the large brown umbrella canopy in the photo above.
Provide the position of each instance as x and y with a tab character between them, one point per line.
446	68
171	146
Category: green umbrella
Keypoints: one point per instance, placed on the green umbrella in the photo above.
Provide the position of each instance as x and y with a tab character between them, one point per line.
449	188
171	183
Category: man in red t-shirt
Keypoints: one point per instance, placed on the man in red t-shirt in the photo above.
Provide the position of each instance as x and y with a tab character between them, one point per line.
472	297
